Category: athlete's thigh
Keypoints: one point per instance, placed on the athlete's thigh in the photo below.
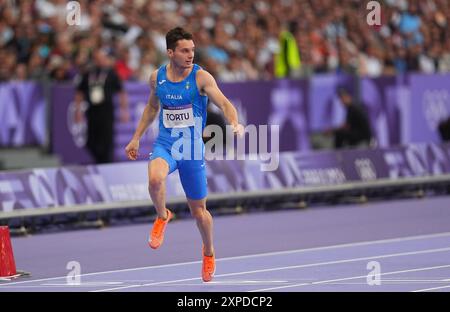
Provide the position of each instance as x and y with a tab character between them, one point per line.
161	163
193	179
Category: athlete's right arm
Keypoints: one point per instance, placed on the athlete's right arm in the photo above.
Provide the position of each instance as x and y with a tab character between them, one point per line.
148	116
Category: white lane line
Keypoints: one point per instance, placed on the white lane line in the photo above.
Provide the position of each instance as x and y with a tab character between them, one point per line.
59	285
290	267
365	243
350	278
109	284
446	280
428	289
395	282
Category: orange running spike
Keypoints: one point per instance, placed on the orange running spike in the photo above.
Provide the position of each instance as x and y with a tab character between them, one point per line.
208	267
157	233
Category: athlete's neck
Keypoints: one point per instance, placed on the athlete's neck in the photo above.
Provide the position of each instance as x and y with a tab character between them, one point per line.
176	73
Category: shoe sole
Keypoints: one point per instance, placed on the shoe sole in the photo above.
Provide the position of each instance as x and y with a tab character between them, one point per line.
154	247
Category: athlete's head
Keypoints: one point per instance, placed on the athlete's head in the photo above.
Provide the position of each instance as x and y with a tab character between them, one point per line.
345	96
180	47
101	58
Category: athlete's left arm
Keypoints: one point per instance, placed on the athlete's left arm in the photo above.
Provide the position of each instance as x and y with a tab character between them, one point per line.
207	85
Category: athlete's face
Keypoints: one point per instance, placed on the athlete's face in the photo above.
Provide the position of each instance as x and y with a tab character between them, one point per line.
183	55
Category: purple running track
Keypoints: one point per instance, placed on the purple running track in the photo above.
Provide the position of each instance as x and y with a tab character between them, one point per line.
318	249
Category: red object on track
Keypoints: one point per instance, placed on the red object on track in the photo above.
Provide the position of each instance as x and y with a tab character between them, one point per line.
7	263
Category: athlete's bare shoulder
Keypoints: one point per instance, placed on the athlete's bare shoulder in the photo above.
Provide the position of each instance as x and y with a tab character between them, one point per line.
203	74
204	78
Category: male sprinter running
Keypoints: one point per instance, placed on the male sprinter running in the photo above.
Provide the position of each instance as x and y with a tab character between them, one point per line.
181	88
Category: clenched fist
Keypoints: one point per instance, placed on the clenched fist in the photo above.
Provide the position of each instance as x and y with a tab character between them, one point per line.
132	149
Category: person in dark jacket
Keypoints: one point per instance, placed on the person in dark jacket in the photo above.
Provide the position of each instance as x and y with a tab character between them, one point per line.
356	130
97	87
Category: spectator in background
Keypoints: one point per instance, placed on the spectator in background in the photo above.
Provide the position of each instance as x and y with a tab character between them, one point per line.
233	71
444	60
21	72
58	68
331	36
97	87
122	68
400	60
356	130
287	60
147	66
36	68
8	63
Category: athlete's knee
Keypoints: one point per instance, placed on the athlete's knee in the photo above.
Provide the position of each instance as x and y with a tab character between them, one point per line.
199	213
155	181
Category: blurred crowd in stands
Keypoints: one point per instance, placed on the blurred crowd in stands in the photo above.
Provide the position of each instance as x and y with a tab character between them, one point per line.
236	40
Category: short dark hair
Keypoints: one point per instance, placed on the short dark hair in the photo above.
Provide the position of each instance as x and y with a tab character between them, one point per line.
176	34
